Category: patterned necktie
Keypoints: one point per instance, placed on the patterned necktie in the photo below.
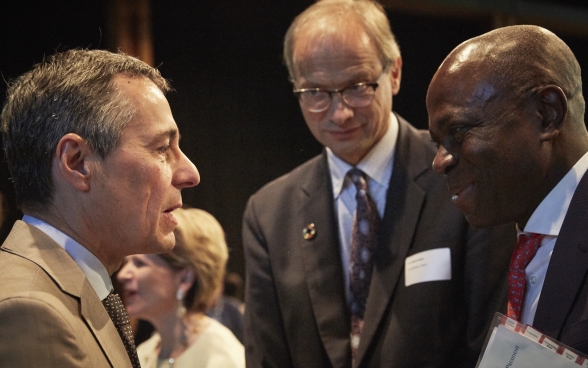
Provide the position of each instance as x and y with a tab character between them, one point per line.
363	245
525	250
118	314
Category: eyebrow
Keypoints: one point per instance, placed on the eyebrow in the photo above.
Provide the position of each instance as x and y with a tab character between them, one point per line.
171	133
441	123
363	76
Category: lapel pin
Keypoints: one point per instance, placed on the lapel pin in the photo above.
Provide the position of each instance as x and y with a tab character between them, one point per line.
309	232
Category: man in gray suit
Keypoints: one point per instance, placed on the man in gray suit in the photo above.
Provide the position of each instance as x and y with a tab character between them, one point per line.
418	292
507	112
93	151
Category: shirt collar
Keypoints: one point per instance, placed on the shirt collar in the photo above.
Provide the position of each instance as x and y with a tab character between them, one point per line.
90	265
377	163
549	215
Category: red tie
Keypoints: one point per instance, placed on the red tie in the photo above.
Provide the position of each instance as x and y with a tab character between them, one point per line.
525	250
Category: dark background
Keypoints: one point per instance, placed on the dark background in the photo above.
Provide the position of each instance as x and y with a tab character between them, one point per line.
240	124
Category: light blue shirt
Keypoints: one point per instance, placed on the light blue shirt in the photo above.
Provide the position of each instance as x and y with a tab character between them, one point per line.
90	265
547	220
377	165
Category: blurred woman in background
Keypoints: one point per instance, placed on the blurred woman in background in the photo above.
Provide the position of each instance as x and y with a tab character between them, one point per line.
173	291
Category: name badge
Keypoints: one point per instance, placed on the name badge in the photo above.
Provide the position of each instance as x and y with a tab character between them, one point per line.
430	265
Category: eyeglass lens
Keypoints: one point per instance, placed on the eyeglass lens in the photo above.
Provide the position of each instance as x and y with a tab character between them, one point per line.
359	95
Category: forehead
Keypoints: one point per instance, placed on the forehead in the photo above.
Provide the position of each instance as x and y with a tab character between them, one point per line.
332	53
141	92
151	112
151	259
456	93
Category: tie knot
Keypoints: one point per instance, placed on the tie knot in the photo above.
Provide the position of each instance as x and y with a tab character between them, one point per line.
116	310
358	178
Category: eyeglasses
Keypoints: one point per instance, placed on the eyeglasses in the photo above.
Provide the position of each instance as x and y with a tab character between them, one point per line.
318	99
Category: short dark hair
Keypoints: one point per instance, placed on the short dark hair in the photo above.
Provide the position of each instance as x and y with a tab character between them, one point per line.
68	92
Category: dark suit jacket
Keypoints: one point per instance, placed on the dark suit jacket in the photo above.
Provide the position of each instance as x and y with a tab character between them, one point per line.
296	313
562	312
50	316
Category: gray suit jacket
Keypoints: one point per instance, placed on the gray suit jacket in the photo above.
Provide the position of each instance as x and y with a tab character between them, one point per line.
296	312
562	311
50	316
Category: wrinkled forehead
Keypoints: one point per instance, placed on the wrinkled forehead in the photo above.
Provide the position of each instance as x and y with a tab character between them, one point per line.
334	41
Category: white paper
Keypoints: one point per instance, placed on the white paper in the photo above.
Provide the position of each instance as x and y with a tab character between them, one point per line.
532	334
430	265
509	349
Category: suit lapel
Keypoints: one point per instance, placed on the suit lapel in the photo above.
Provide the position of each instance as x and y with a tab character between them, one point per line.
97	319
31	243
322	264
567	267
404	202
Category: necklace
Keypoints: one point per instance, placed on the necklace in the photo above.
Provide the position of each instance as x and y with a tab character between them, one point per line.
193	326
165	363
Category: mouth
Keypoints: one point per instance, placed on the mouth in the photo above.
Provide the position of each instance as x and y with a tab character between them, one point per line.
169	216
460	193
344	133
128	294
173	208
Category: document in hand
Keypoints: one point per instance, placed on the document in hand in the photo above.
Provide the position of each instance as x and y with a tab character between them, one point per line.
512	345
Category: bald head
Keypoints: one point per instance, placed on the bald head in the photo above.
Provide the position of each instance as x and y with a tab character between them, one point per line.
507	113
519	60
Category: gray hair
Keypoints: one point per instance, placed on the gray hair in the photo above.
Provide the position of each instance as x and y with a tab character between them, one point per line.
369	13
69	92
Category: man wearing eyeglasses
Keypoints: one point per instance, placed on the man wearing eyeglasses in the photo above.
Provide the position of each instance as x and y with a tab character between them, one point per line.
357	257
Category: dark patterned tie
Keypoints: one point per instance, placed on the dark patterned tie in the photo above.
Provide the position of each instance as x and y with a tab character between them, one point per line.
524	252
363	245
118	314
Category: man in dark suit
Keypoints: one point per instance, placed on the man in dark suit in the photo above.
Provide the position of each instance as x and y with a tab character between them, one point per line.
507	113
304	251
93	151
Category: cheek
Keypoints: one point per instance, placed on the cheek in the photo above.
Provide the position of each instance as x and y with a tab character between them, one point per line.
153	184
313	122
155	284
481	151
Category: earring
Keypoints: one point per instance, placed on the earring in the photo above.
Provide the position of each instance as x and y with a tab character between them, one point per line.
181	309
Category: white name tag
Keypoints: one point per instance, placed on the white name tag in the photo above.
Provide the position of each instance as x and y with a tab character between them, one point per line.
430	265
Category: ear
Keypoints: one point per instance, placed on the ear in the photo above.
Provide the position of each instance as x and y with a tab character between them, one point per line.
395	75
185	278
552	106
72	161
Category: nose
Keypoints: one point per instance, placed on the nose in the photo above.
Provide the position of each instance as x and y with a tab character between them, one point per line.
124	274
186	174
443	160
340	111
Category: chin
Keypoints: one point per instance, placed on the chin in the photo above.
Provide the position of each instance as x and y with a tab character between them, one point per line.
132	310
483	220
161	244
167	244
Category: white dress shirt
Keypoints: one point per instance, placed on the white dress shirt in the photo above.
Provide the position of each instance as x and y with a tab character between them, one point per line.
377	165
547	220
90	265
